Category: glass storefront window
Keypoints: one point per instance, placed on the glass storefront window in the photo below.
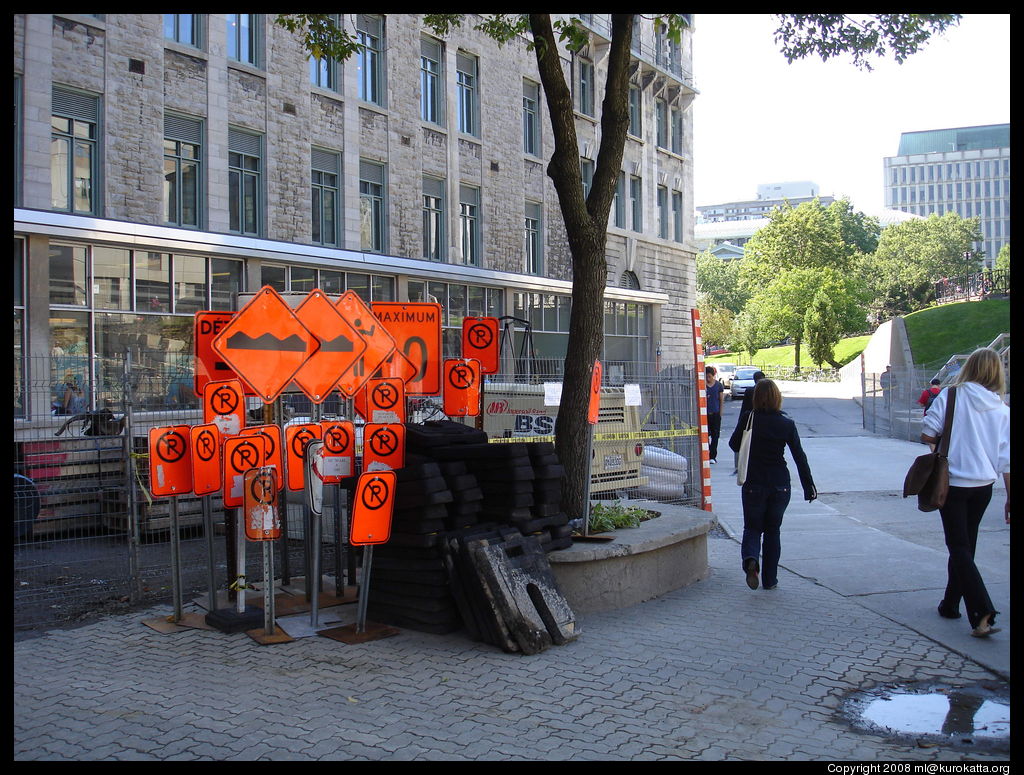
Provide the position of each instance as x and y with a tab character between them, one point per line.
68	283
162	363
303	279
189	284
360	283
69	362
111	278
383	288
152	281
274	276
225	282
332	283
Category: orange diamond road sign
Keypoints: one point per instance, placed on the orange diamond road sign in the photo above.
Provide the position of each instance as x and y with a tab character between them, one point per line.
170	464
417	332
462	387
340	346
379	343
209	366
480	341
266	344
595	393
296	437
372	508
206	459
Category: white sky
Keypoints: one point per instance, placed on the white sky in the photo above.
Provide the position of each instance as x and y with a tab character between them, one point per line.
758	119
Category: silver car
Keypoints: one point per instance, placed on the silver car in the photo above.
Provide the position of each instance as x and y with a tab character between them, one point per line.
725	373
742	381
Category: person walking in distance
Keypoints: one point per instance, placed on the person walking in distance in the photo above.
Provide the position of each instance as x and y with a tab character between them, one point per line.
929	393
979	452
714	390
766	490
741	423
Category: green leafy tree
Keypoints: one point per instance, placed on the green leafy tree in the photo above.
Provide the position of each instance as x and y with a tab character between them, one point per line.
915	254
1003	258
718	284
715	325
823	328
751	332
801	250
586	217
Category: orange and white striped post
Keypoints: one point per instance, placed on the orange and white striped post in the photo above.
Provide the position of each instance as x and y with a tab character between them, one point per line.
702	406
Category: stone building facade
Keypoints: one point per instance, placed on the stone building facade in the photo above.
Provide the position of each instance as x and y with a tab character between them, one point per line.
165	163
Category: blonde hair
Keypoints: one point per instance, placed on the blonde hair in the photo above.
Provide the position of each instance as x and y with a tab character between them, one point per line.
985	367
767	396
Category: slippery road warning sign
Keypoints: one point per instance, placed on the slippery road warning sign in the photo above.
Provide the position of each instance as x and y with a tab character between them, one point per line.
266	344
379	343
170	464
372	508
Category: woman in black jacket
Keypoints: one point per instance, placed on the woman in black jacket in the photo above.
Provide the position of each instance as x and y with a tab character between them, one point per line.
766	489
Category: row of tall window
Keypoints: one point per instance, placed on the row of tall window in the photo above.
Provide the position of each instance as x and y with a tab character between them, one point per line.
967	170
993	190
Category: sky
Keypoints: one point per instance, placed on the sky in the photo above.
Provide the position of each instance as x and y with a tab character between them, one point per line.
758	119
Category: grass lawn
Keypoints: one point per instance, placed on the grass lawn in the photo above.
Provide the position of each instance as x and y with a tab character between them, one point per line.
845	351
939	332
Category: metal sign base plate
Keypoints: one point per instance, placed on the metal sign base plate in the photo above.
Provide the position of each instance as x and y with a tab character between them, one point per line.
277	636
348	634
228	620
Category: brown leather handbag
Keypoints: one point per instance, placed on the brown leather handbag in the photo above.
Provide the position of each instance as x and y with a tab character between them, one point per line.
928	477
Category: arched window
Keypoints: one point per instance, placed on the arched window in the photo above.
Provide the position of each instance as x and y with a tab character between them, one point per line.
629	280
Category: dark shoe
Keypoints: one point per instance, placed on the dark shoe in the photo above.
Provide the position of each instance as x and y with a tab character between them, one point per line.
947	612
751	567
773	586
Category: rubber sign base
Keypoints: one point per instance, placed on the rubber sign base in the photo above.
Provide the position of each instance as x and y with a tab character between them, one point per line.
348	633
228	620
261	636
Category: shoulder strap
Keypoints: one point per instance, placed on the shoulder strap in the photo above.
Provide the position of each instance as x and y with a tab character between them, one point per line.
947	423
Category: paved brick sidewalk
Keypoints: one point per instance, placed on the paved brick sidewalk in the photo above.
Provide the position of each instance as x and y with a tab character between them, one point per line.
713	671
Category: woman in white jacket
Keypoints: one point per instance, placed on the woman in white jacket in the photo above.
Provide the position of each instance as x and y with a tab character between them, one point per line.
979	452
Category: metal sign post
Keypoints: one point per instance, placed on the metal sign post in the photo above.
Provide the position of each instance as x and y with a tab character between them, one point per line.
314	505
262	524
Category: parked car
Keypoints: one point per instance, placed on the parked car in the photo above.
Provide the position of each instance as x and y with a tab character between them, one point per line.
742	381
726	371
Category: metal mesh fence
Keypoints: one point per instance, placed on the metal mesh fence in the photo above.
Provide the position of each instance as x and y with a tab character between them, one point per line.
89	537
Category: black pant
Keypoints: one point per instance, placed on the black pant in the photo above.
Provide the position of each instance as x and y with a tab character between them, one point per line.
714	431
961	517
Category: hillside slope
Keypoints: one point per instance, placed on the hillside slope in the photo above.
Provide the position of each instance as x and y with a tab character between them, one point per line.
939	332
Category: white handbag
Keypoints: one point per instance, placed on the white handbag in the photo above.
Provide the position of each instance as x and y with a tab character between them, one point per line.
744	453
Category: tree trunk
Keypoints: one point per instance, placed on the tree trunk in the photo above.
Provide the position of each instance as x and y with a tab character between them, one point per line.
796	355
586	222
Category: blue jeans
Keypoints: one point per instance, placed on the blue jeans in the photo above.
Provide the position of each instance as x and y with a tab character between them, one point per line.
763	508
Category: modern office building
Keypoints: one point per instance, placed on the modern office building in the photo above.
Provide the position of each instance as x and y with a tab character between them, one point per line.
165	163
769	197
965	170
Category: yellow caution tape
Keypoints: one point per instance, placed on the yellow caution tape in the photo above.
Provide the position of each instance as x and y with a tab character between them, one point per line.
621	436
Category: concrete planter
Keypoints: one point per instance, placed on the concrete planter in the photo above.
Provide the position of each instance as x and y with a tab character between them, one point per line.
665	553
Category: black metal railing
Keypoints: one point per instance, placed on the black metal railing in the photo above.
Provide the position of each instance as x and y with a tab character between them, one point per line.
989	283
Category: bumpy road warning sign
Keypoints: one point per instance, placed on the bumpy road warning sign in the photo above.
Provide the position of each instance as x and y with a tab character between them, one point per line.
340	346
266	344
209	366
170	464
372	508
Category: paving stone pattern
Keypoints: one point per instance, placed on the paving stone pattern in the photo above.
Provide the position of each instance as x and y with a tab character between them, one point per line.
710	672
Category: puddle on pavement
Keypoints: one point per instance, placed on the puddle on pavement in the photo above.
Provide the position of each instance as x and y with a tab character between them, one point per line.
974	717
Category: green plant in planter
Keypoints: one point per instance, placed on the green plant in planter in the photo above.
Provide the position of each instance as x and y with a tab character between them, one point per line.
614	516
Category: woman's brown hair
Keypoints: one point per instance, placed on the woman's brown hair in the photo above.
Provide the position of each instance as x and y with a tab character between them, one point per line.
985	367
767	396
